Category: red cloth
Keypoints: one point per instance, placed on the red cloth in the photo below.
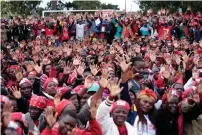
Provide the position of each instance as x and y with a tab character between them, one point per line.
4	99
123	130
52	72
147	92
120	103
25	80
63	90
72	78
38	101
17	116
160	82
65	35
49	32
36	122
60	107
12	67
95	129
78	88
48	81
127	34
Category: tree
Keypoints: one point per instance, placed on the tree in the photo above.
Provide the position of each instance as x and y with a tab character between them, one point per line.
82	5
171	5
18	7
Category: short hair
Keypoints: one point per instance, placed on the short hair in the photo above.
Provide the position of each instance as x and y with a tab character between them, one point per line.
136	59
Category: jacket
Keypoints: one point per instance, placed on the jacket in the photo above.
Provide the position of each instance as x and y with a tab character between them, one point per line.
107	124
192	118
94	130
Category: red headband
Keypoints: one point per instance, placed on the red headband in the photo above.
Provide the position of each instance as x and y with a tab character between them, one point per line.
121	103
38	102
60	107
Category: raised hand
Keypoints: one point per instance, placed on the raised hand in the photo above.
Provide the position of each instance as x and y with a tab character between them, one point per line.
77	61
94	69
168	59
80	69
46	61
68	68
120	61
175	44
114	88
166	73
194	97
152	57
88	81
38	68
18	75
57	99
7	109
185	57
93	107
16	92
177	59
50	117
104	81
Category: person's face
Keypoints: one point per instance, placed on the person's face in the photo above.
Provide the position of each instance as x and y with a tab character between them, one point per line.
26	90
34	112
51	88
132	97
62	64
47	69
84	99
173	105
14	104
179	88
139	68
12	74
146	104
75	101
119	115
31	78
66	124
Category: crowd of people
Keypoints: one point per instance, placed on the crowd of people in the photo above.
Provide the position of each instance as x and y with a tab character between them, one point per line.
96	74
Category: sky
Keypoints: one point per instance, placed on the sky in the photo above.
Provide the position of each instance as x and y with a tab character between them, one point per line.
130	5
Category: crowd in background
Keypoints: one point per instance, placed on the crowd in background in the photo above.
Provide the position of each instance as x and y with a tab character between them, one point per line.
97	74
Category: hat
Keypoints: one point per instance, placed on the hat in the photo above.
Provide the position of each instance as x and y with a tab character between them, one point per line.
63	90
187	91
94	87
78	88
4	99
60	107
120	103
148	93
12	67
15	126
48	81
33	73
38	102
25	80
18	116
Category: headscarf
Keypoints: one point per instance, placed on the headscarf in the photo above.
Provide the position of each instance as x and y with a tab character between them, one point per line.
147	93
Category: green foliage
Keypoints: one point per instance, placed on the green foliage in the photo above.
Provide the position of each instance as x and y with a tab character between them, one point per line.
82	5
171	5
23	8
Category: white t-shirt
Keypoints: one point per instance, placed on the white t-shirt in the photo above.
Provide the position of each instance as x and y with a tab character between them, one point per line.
148	129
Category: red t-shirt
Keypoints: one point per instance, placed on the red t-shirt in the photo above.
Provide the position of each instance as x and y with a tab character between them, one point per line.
123	130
